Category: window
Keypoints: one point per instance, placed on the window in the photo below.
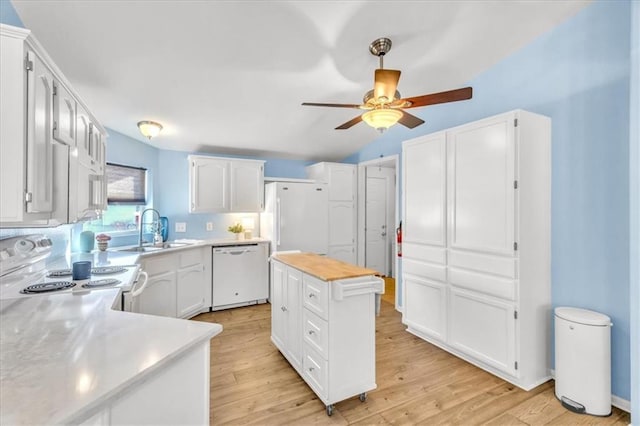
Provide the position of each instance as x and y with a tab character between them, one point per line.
126	184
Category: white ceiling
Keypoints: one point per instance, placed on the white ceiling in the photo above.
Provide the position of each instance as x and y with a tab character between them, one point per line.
229	76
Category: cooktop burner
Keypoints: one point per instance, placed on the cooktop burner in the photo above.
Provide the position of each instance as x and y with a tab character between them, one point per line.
101	270
101	283
47	287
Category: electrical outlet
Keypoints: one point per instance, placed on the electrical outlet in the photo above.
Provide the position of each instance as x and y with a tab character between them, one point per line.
181	227
209	226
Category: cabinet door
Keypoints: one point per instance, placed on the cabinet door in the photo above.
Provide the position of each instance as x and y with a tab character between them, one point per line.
247	186
278	301
190	291
425	306
159	298
342	229
83	135
484	328
39	137
96	151
64	115
481	185
294	316
342	182
209	186
424	183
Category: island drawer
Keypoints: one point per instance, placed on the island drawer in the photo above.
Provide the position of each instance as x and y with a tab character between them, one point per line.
315	296
315	371
316	332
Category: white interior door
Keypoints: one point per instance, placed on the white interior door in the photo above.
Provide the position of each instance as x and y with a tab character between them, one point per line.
376	224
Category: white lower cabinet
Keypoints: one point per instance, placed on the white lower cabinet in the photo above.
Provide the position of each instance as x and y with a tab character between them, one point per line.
483	327
175	394
326	329
178	284
425	306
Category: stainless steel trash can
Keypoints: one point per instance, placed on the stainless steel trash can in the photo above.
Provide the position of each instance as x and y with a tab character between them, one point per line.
583	360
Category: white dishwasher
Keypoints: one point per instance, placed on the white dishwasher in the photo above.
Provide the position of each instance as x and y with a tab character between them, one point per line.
240	275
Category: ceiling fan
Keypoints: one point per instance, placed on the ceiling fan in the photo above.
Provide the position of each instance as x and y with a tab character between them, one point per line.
384	105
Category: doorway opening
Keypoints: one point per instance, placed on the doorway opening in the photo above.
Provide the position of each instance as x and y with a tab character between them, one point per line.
378	218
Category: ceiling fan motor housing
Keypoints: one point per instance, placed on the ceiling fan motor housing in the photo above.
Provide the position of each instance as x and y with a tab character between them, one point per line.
380	47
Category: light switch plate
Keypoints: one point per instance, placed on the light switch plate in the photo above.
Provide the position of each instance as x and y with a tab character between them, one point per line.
181	227
209	226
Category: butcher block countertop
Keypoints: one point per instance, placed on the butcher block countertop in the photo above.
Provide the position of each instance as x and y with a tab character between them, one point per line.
325	268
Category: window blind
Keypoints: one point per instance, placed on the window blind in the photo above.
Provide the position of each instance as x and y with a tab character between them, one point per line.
126	184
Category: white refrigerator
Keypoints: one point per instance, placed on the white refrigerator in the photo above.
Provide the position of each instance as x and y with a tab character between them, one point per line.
296	216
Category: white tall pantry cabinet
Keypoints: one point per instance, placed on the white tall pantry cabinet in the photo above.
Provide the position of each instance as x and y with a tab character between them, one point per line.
476	243
342	182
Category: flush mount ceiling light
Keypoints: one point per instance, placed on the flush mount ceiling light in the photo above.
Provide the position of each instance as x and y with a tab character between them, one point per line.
149	129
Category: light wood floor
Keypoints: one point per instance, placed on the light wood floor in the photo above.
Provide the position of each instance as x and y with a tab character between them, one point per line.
251	383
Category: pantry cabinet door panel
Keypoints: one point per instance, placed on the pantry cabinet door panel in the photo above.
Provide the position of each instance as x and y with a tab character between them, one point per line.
424	183
481	190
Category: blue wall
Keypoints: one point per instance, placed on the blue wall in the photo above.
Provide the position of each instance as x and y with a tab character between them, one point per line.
578	74
634	192
8	14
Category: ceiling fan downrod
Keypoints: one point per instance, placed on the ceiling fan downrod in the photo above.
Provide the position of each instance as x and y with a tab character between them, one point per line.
379	48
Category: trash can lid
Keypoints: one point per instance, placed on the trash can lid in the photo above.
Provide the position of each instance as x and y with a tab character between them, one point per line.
582	316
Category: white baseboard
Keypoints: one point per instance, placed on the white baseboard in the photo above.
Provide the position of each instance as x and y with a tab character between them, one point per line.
616	401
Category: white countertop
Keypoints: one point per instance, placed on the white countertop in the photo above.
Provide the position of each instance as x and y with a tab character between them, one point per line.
64	356
113	257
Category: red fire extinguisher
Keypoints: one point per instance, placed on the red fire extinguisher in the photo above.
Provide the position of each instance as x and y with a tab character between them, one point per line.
399	239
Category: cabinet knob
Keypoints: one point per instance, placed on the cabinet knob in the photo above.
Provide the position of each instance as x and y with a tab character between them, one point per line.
311	332
311	369
311	295
283	308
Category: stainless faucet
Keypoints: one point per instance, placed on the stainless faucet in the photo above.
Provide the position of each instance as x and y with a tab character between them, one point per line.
157	222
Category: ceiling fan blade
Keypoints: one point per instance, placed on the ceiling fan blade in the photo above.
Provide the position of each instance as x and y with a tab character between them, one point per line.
332	105
350	123
440	98
409	120
385	84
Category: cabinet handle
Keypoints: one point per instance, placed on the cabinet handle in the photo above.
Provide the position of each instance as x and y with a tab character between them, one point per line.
311	332
311	295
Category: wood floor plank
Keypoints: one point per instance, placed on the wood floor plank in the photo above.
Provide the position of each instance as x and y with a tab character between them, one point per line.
418	383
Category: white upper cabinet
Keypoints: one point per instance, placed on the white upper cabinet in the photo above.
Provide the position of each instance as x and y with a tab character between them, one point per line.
247	186
39	136
208	185
64	115
224	185
481	188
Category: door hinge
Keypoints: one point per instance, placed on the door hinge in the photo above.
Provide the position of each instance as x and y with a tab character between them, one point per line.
515	122
515	184
515	246
516	365
28	65
28	197
55	90
55	125
515	314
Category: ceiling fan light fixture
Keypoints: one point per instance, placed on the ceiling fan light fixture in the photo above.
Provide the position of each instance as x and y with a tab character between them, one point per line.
381	119
149	129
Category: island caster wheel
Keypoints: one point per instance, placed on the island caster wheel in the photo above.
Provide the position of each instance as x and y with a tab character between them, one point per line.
329	410
363	397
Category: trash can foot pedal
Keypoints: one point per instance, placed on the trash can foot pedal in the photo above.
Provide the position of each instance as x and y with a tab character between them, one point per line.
572	405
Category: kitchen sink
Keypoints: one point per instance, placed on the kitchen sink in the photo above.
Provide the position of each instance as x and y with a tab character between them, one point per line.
147	249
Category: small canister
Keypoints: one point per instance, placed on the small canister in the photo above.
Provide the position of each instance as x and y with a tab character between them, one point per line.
81	270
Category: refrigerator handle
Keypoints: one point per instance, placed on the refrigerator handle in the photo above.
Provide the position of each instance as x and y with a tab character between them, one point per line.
279	221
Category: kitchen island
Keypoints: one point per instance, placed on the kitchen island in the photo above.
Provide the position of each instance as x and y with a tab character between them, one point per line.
70	358
323	322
